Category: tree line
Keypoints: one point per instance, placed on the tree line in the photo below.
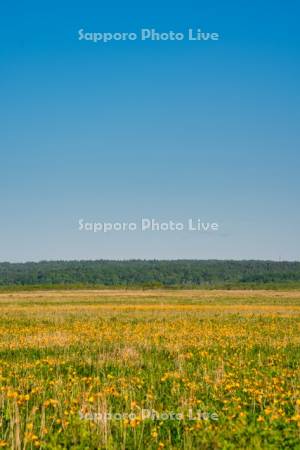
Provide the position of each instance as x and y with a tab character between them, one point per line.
155	273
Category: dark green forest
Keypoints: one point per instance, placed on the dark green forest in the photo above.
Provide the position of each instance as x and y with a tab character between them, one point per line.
145	273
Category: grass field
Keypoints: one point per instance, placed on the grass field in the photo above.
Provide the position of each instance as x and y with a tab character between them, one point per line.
150	370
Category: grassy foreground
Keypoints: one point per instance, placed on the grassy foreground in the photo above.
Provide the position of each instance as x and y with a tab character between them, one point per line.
150	370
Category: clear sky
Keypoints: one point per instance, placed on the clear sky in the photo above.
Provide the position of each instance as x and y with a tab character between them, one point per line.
166	130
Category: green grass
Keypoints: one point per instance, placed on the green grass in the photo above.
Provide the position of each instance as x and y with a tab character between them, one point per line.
69	358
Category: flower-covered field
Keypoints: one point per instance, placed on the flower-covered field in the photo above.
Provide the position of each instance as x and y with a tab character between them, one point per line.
150	370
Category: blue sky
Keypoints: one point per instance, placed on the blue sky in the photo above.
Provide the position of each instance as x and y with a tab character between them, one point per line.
169	130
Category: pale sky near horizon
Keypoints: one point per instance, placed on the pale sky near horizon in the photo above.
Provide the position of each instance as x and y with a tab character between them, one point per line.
165	130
